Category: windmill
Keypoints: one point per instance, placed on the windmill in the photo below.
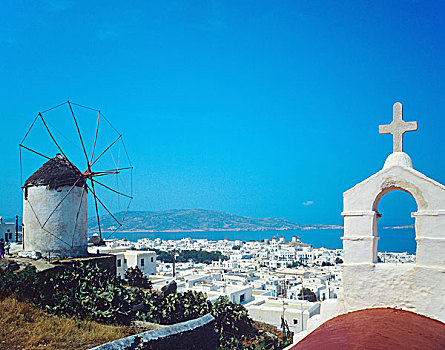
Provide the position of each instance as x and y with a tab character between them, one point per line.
90	161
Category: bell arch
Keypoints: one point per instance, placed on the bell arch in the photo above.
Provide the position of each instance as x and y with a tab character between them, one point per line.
394	207
387	190
361	237
361	216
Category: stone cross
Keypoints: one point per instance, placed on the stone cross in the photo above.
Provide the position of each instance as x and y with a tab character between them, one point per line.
397	127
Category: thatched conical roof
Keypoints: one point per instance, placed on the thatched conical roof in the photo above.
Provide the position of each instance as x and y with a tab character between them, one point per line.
56	172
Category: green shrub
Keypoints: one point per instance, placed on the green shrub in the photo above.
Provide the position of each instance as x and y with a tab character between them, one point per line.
135	278
180	307
86	291
23	285
232	322
83	290
198	256
174	308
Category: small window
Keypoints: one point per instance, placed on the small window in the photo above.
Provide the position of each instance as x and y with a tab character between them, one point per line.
151	259
125	261
295	321
118	262
142	262
241	298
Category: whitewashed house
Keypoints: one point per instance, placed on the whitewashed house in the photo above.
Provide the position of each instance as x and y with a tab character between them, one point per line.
238	294
144	260
7	231
296	313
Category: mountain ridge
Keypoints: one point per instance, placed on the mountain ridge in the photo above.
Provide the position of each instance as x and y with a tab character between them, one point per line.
187	220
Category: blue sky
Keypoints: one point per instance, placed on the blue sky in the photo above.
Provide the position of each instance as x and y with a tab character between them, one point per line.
259	108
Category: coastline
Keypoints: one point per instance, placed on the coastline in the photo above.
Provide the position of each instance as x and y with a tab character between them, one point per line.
328	227
392	240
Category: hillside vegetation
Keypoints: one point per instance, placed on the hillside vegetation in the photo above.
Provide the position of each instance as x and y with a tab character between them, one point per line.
87	292
197	256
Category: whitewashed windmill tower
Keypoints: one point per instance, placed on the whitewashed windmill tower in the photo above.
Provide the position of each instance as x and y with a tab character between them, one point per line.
55	205
55	210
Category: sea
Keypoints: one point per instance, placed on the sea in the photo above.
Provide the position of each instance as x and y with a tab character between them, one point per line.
391	239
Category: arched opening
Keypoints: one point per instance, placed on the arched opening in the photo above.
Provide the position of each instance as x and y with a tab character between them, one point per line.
395	227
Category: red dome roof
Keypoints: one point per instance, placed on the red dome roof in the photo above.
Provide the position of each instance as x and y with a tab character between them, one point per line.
376	329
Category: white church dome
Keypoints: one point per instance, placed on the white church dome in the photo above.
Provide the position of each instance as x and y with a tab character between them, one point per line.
398	159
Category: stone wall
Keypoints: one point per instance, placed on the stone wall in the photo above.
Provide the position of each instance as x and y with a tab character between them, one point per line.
194	334
104	261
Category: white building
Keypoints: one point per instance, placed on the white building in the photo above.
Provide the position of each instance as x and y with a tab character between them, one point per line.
192	280
296	313
7	231
238	294
144	260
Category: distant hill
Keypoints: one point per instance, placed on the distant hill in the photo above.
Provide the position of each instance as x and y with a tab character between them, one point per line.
183	220
403	227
